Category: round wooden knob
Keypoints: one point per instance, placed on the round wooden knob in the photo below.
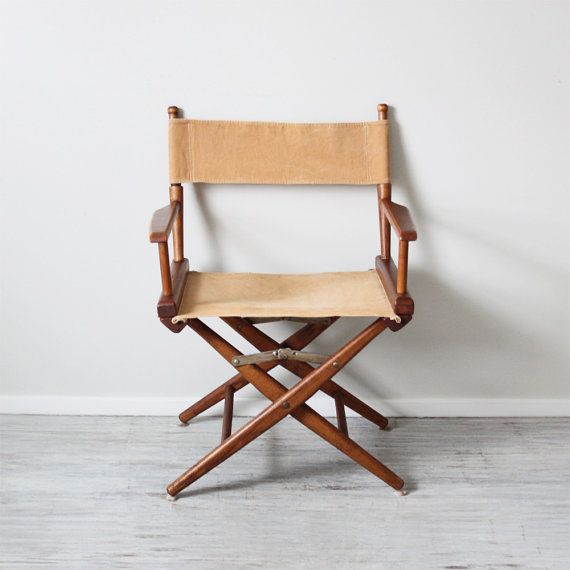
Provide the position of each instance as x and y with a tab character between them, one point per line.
383	111
172	112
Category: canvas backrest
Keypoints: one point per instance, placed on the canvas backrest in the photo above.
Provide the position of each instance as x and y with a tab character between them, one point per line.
238	152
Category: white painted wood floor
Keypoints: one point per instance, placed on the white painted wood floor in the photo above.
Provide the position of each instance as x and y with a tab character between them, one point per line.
88	492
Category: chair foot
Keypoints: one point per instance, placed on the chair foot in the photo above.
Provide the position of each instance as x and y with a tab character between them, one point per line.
401	492
182	424
389	426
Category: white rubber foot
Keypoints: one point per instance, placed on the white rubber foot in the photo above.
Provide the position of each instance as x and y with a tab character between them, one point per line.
400	492
170	498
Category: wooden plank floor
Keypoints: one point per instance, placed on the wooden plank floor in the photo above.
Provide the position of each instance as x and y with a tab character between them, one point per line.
88	492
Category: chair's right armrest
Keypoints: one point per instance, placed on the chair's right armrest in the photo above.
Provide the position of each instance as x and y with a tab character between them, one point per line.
395	279
402	303
173	275
400	219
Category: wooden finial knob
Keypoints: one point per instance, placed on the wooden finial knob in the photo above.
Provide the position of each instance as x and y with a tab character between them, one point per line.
383	111
172	112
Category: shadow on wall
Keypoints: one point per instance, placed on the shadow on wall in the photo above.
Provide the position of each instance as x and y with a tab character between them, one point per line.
454	346
210	225
403	180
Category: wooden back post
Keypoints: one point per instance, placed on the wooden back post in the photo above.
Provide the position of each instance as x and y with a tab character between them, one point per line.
394	216
165	221
176	195
384	193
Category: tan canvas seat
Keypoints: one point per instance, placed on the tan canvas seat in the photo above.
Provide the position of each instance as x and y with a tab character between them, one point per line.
245	152
349	294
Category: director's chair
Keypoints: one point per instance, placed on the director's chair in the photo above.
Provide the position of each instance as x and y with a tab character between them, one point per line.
237	152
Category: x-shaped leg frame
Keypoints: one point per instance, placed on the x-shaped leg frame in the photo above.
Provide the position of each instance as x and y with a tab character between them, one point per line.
297	341
286	401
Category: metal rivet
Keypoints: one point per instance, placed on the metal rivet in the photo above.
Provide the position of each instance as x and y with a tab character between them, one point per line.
235	361
286	405
335	364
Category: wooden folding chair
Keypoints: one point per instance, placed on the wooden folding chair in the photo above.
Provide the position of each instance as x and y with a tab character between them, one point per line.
279	153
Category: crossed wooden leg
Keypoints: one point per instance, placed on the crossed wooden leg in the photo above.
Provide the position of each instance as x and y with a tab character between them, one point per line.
264	342
297	341
286	402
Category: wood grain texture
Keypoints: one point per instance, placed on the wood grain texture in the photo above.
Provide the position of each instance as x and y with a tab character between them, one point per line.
228	412
167	305
402	279
285	402
165	275
262	341
297	341
162	222
403	304
87	492
177	200
400	219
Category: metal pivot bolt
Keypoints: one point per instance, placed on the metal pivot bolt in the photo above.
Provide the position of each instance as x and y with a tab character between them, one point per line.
286	405
335	364
235	361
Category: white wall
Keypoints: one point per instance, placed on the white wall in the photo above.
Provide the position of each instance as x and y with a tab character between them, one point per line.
479	96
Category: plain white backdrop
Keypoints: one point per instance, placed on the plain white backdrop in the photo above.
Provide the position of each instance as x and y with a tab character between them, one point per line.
479	101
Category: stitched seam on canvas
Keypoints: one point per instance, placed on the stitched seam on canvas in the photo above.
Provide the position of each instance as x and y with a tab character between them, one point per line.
329	125
366	159
311	182
192	158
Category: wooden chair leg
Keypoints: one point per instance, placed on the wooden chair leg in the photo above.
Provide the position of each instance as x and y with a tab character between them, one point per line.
228	413
236	383
297	341
263	342
289	401
340	413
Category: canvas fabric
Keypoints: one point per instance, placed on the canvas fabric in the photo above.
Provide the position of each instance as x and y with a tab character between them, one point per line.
278	153
344	294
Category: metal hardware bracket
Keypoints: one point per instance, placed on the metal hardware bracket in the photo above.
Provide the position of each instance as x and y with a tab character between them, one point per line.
280	354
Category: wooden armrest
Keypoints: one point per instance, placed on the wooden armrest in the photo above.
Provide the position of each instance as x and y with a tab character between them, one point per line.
165	221
402	303
160	227
395	280
400	219
162	222
168	303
